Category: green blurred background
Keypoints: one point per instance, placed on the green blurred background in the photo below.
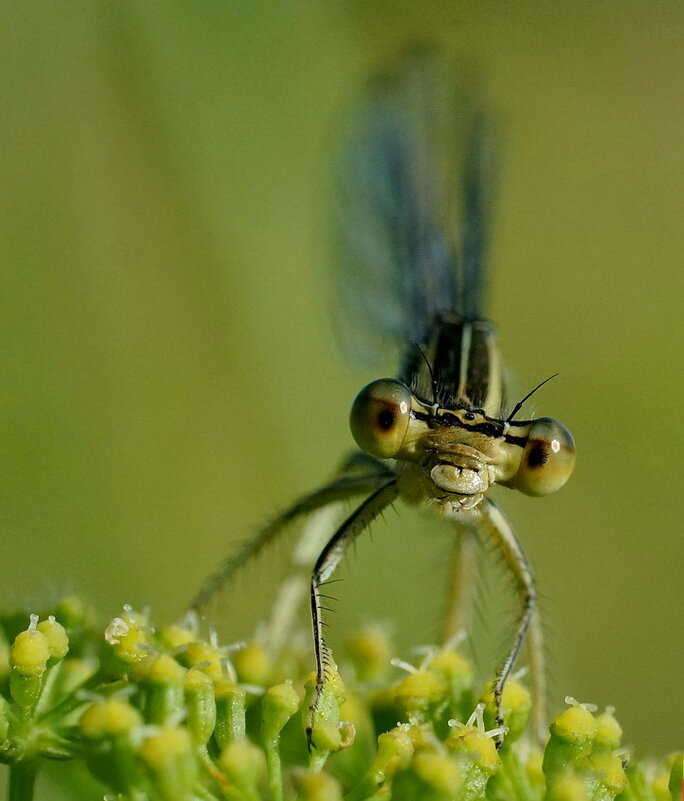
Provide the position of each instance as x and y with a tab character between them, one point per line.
168	369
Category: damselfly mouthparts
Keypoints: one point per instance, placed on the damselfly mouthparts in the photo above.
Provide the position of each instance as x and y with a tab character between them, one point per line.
414	190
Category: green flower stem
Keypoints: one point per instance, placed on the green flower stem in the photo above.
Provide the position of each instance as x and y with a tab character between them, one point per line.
317	760
274	770
203	794
51	678
638	788
517	777
395	750
22	779
241	761
25	692
365	790
278	706
502	788
208	768
230	713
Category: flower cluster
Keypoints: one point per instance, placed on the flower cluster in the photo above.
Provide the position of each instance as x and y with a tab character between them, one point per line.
169	715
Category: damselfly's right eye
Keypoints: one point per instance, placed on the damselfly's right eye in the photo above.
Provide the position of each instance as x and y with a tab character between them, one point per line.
380	416
548	459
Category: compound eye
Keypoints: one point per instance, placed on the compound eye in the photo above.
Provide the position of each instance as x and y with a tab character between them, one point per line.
548	459
380	416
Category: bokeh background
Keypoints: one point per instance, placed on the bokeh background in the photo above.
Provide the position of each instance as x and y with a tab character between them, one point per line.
168	370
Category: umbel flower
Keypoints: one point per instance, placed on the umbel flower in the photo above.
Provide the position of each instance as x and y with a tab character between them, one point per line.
169	715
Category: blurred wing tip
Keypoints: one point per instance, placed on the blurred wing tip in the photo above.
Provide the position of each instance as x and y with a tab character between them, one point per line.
413	195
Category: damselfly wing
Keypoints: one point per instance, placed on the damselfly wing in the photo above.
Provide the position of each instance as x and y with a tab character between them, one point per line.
414	193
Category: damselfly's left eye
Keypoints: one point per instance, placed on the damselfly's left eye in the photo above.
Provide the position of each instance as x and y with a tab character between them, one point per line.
380	416
548	459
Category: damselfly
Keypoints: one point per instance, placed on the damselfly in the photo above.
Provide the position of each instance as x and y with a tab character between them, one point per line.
414	191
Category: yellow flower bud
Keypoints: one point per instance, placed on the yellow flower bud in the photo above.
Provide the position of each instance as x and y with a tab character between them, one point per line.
278	706
314	786
470	742
175	636
58	641
111	732
438	772
166	745
31	650
420	690
242	762
575	725
73	612
572	736
170	759
608	731
607	770
157	669
130	643
451	664
567	787
252	664
205	657
109	717
370	653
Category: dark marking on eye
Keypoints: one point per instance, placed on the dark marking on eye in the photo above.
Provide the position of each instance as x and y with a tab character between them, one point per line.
537	456
385	419
469	416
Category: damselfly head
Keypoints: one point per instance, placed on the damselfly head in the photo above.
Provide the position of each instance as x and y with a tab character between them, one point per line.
460	451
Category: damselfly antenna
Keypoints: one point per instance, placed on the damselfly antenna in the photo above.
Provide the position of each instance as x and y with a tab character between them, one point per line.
519	404
433	380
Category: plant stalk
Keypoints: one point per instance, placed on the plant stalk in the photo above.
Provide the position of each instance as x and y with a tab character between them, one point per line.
22	779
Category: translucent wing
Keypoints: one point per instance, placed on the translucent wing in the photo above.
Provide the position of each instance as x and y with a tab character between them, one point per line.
413	185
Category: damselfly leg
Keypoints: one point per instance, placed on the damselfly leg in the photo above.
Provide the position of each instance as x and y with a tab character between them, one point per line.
499	529
326	563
